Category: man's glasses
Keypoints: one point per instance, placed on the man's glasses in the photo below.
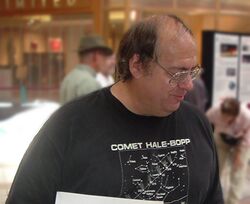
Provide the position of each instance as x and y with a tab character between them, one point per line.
182	76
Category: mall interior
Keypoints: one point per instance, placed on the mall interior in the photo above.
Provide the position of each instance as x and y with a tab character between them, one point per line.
38	43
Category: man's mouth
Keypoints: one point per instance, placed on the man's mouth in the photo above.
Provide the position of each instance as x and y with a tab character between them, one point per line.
179	97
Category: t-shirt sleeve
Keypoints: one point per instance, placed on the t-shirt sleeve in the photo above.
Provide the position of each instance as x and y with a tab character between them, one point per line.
213	192
215	195
38	176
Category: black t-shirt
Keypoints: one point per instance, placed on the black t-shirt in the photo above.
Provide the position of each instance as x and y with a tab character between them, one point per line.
95	146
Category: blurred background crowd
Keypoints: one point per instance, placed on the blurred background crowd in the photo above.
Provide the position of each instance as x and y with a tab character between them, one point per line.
41	42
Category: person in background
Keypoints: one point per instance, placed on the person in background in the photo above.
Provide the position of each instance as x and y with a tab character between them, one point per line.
231	121
136	139
198	95
105	75
93	54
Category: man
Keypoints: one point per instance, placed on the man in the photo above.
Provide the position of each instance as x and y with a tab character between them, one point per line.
105	75
93	54
136	139
231	121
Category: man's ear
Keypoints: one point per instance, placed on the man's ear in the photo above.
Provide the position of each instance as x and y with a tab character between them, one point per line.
135	66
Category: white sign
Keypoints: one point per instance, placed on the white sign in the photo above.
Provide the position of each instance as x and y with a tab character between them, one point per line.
225	75
74	198
244	91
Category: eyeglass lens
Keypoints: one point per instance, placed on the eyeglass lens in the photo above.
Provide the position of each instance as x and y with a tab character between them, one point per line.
181	77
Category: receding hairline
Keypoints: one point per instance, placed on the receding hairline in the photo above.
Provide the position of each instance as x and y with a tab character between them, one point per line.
169	28
168	20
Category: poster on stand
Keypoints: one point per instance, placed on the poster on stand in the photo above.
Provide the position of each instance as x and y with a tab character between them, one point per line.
244	85
226	52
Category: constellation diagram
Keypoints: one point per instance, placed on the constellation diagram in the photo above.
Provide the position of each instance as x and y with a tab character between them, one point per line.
155	174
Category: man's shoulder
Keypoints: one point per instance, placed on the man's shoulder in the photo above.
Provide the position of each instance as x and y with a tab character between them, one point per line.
85	102
194	119
78	76
188	107
73	76
189	112
81	71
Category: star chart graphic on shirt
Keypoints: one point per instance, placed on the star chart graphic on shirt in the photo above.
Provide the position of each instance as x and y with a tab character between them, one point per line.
155	174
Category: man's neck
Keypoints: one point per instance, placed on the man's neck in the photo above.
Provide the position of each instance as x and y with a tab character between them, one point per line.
126	93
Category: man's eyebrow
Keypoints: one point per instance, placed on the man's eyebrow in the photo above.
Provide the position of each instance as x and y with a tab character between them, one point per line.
183	68
178	69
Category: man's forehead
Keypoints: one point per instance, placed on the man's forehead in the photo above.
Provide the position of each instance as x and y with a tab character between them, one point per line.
184	47
172	29
169	37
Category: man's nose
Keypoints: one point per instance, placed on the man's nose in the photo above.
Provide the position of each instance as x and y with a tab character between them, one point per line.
187	84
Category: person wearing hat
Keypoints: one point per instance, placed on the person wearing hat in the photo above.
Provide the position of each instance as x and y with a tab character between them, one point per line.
105	75
93	53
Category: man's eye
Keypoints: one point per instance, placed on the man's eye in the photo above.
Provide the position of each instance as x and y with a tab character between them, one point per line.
181	75
177	74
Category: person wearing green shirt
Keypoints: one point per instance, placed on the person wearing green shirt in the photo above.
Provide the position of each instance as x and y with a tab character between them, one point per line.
81	80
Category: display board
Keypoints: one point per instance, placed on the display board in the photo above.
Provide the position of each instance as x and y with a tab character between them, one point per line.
225	74
244	85
226	62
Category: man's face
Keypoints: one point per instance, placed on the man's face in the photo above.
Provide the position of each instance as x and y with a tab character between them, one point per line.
162	97
105	64
108	66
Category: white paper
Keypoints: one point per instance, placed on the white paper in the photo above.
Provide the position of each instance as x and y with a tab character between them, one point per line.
74	198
